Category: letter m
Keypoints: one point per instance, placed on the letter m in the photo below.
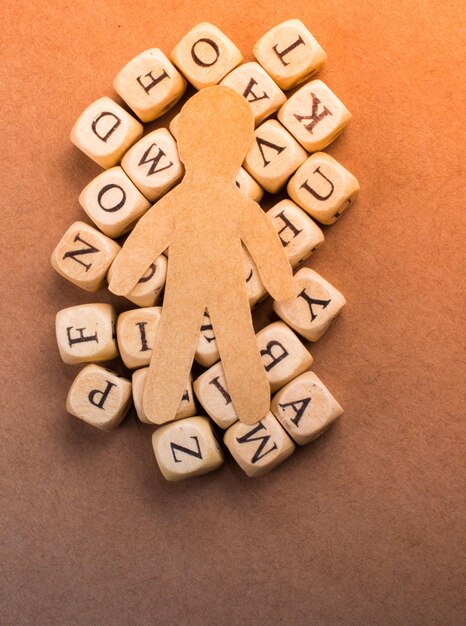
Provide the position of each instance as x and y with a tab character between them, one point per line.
260	453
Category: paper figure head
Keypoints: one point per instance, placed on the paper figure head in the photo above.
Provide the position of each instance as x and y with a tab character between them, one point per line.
214	133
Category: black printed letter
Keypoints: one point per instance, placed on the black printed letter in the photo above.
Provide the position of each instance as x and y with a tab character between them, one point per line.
275	359
248	437
103	395
108	130
72	254
315	117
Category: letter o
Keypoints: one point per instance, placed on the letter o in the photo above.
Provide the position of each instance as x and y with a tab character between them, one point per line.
210	43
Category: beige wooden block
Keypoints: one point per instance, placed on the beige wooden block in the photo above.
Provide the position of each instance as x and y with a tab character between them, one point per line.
305	408
300	236
323	188
136	332
252	82
316	305
187	405
284	356
86	333
186	448
153	164
113	202
314	115
247	185
254	285
99	397
289	53
104	131
84	255
148	290
258	448
274	156
206	349
211	391
205	55
150	84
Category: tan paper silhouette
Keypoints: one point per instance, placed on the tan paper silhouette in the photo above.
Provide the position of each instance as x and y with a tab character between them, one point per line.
203	222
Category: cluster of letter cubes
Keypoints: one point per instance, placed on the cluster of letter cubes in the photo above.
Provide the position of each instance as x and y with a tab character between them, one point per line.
138	170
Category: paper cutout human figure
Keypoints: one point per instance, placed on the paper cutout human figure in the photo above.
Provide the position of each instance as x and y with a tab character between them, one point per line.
203	222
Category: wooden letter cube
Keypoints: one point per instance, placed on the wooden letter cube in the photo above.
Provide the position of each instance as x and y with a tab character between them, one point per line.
248	186
323	187
305	408
113	202
104	131
211	391
99	397
187	405
84	255
186	448
136	332
289	53
205	55
300	236
314	115
206	351
149	289
86	333
274	156
258	448
255	85
153	164
315	306
284	356
150	84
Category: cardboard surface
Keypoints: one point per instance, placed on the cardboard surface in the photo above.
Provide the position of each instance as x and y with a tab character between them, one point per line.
203	222
364	526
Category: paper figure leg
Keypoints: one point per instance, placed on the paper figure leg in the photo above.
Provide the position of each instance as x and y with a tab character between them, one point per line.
172	356
244	373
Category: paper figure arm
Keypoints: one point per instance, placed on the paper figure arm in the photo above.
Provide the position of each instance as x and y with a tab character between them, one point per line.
266	249
151	236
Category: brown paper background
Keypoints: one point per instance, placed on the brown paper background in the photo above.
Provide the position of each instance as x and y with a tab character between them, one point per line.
361	527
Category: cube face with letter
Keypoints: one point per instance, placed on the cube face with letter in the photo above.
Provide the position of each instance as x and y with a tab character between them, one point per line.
211	391
299	234
99	397
86	333
206	350
323	188
136	333
84	255
314	116
187	406
255	85
305	408
113	202
153	164
314	307
205	55
283	355
274	156
186	448
289	53
260	447
104	131
150	84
